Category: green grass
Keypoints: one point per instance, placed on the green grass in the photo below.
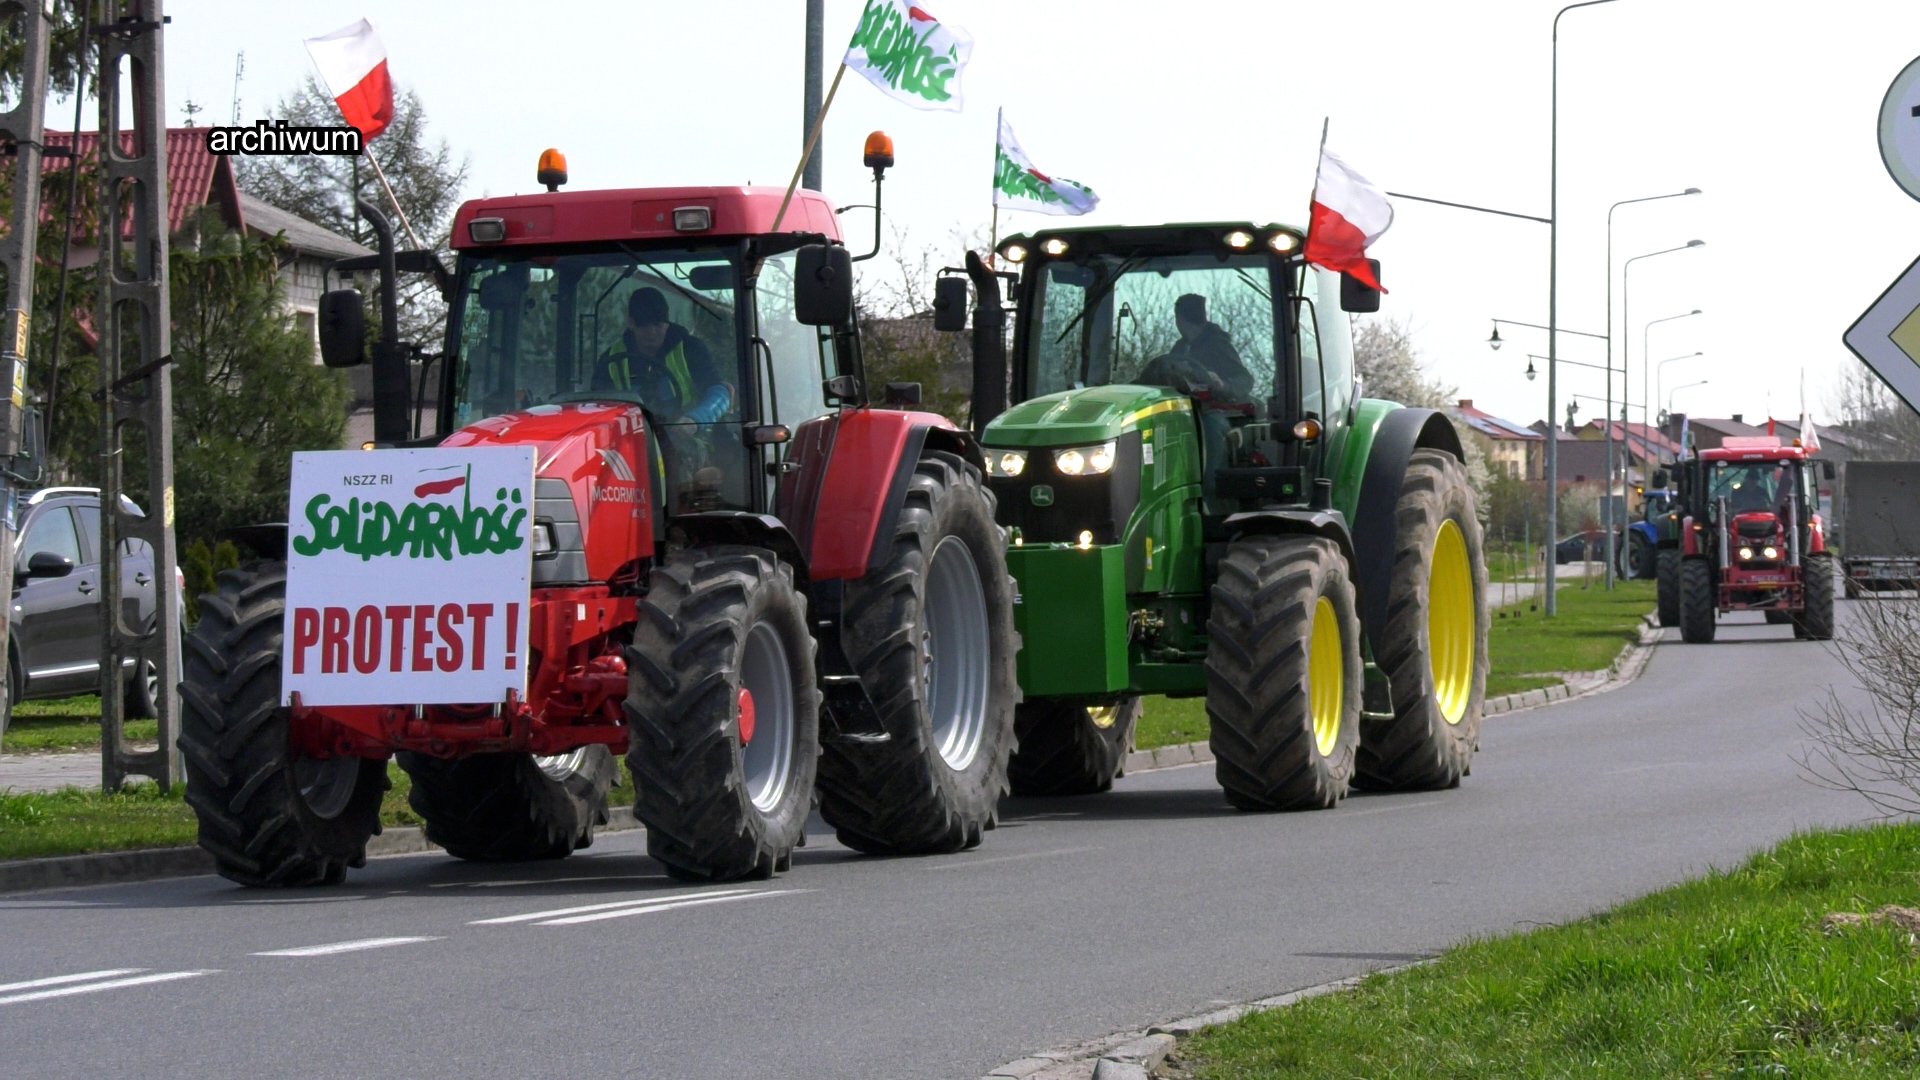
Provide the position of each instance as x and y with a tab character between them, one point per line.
1168	721
1589	628
65	724
1729	975
77	821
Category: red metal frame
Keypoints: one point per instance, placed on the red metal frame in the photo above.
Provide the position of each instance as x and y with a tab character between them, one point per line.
578	217
857	456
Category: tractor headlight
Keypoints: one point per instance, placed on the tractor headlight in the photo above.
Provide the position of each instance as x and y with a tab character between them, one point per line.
542	538
1085	460
1006	463
1746	553
1769	552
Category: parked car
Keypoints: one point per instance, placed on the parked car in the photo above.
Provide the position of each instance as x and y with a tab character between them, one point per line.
1577	548
54	645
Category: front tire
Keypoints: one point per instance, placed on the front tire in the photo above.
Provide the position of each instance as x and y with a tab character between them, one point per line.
511	807
1283	674
723	713
1697	602
268	815
930	634
1636	557
1666	587
1815	622
1434	648
1069	747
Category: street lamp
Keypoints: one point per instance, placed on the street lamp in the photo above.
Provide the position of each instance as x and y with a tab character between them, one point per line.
1660	371
1677	389
1626	319
1553	291
1494	341
1646	351
1531	357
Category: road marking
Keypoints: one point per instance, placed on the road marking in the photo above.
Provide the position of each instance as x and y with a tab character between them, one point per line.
347	946
624	912
646	901
299	900
517	882
8	988
1389	809
111	984
961	864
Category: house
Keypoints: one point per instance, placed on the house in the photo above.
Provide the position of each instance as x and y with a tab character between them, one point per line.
198	179
1638	448
1577	461
1511	449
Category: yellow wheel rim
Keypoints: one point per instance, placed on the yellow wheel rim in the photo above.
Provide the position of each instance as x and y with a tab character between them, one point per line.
1326	676
1450	616
1103	716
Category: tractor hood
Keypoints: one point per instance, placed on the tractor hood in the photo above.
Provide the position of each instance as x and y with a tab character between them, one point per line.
1080	417
567	439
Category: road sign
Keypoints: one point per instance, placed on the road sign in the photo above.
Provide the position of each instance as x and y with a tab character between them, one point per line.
1887	336
1900	129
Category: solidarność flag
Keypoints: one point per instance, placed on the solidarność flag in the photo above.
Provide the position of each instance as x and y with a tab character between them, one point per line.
1349	214
353	64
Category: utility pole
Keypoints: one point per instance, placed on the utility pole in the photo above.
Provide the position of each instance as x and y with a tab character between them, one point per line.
23	126
816	49
136	384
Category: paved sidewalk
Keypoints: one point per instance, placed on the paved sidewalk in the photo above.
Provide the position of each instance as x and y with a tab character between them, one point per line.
49	772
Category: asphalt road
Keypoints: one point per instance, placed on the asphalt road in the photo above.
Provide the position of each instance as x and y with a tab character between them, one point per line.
1076	918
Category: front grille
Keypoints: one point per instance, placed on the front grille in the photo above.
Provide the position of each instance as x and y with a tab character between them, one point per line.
553	507
1100	504
1756	530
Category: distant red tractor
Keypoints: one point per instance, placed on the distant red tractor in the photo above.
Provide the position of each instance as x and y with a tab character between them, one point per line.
764	591
1751	539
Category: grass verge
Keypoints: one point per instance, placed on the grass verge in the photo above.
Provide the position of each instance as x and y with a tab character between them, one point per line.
78	821
1728	975
65	724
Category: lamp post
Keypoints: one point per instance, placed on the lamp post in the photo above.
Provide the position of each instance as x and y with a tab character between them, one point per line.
1553	288
1660	371
1626	319
1646	351
1677	389
1623	376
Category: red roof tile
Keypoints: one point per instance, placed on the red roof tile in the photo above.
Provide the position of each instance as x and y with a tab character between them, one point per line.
196	176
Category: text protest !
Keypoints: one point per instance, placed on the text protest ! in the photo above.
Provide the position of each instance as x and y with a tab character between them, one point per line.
408	576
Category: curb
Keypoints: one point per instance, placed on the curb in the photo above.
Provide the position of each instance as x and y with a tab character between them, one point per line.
153	864
1133	1055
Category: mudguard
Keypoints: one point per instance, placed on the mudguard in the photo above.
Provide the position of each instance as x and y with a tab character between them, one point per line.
851	472
1400	433
753	530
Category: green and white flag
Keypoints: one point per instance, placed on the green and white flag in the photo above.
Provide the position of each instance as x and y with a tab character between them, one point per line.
1017	185
908	53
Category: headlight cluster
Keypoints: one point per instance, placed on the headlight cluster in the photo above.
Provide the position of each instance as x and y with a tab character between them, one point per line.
1769	552
1085	460
1006	463
542	538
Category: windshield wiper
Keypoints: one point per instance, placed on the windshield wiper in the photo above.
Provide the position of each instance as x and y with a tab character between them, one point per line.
706	307
1098	293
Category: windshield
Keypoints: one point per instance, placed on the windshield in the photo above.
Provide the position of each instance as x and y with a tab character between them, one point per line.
1175	320
1760	486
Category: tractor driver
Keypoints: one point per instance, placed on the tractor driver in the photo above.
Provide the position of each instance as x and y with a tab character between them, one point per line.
670	369
1204	356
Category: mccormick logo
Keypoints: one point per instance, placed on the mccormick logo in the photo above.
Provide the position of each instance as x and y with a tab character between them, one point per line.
417	530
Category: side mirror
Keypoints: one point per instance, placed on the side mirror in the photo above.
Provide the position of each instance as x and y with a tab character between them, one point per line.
823	285
343	329
1357	296
1826	469
950	304
49	565
1660	478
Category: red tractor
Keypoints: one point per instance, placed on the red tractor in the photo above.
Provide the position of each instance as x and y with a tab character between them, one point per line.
1751	539
755	584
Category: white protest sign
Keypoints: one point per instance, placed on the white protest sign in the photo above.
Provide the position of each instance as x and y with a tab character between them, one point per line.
408	576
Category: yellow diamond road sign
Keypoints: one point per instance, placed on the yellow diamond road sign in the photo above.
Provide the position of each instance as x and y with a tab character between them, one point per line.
1887	336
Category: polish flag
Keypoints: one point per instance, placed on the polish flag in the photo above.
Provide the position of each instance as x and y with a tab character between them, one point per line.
353	64
1349	214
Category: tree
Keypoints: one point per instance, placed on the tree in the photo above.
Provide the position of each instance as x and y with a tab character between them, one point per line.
1874	749
425	177
1879	423
69	39
1390	367
246	392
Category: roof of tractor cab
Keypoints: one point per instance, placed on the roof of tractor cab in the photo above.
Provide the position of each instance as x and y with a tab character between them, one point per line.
1755	448
571	217
1175	237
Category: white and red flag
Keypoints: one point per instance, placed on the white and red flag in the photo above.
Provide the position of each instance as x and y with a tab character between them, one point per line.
353	64
1349	214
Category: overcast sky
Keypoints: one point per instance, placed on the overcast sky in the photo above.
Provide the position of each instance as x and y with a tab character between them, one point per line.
1211	110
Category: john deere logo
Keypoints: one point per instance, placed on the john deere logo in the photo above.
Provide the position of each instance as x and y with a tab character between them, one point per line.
1042	495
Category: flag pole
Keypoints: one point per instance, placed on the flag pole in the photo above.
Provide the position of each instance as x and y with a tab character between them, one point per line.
812	137
377	171
1318	159
993	230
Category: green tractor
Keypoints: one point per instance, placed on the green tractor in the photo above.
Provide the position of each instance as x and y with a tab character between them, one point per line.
1201	503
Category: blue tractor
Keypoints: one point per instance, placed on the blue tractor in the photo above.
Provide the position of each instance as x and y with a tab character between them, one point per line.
1634	553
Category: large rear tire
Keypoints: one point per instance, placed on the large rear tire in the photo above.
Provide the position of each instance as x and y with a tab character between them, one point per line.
511	807
1697	602
1666	586
1816	584
930	634
1070	748
1636	557
1434	649
268	814
1283	674
724	714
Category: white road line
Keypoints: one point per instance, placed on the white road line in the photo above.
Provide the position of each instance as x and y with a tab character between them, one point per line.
1344	814
624	912
111	984
646	901
961	864
347	946
7	988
